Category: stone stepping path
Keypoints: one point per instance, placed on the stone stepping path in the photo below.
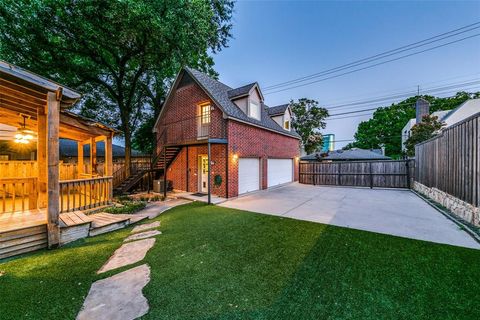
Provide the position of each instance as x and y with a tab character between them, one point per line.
127	254
142	235
146	226
118	297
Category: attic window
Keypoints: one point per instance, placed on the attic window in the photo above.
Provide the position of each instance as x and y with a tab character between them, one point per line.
286	125
254	110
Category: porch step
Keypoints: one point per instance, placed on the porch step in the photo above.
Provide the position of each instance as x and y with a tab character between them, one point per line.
105	222
24	240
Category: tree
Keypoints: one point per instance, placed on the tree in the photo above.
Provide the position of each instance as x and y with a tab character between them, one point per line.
422	131
385	126
307	119
121	54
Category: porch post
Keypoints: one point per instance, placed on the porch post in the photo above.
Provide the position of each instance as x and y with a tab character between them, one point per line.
42	158
108	169
80	165
208	179
93	156
53	119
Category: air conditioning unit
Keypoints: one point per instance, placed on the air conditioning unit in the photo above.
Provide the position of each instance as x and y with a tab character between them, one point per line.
158	185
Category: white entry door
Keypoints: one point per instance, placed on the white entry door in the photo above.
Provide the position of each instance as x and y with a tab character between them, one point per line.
203	173
279	171
248	175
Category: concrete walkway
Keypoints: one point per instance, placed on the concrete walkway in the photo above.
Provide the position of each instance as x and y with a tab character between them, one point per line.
395	212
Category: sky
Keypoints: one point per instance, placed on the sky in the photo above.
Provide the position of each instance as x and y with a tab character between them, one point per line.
277	41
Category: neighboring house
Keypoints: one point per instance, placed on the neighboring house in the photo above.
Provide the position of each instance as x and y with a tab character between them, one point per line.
354	154
219	140
68	151
449	117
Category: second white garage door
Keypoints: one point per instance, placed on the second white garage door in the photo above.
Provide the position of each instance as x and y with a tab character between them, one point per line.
248	175
279	171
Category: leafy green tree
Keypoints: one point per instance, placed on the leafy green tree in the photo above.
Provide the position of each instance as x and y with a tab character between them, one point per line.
307	119
422	131
144	139
121	54
385	126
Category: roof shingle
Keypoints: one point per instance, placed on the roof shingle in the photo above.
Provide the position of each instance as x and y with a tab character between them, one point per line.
219	92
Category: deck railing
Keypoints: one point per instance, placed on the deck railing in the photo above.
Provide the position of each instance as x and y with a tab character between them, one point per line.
18	194
84	194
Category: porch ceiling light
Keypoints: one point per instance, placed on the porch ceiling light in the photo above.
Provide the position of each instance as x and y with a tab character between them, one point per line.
23	137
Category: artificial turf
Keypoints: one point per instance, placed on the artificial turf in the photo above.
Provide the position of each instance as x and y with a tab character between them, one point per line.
218	263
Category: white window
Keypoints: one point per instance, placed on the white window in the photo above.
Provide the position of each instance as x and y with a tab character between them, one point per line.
205	114
254	110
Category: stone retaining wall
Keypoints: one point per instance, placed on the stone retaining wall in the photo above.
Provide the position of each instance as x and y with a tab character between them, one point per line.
458	207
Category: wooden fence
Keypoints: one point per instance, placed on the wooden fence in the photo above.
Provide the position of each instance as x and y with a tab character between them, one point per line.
382	174
450	161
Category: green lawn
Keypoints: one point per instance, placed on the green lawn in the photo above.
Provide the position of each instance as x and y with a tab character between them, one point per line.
217	263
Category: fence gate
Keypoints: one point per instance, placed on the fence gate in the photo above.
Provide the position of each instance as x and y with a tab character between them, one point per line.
382	174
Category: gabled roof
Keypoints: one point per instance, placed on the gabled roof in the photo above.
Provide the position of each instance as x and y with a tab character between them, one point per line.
462	112
242	91
218	92
10	70
344	155
277	110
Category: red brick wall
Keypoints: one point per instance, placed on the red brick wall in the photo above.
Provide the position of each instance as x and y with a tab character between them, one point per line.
177	172
244	140
249	141
181	116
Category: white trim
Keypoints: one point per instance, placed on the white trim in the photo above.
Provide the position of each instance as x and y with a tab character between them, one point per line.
262	127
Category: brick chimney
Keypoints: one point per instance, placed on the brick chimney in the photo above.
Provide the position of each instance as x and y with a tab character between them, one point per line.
422	108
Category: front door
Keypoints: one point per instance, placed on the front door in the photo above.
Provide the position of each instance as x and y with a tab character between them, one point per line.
203	173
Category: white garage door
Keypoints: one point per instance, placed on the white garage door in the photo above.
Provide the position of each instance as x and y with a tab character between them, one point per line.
279	171
248	175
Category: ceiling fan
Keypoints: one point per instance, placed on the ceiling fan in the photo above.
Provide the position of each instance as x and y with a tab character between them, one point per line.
22	134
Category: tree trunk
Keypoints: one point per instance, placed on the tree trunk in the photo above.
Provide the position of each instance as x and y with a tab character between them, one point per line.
128	152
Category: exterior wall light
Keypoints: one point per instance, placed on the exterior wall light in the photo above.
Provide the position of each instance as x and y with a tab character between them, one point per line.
235	157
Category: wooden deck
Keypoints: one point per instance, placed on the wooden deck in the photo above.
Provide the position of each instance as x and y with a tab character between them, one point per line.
19	220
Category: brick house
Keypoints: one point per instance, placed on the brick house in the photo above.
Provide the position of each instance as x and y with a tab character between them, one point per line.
250	146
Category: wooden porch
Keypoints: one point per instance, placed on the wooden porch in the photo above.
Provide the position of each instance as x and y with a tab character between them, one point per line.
34	112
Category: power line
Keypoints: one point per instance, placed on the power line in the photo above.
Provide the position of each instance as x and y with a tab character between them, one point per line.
369	109
377	64
397	90
382	55
406	94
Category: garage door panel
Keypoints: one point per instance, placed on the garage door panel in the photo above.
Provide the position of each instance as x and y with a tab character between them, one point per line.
279	171
248	175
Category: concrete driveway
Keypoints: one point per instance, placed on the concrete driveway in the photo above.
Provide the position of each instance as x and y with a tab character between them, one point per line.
396	212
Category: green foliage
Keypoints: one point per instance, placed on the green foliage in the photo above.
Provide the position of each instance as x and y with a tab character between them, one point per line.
307	119
121	54
144	138
127	207
385	127
422	131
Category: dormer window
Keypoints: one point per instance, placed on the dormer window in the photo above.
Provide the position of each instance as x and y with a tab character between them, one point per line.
286	125
254	110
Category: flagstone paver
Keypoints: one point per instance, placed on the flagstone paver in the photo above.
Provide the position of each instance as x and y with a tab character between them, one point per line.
146	226
127	254
142	235
118	297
